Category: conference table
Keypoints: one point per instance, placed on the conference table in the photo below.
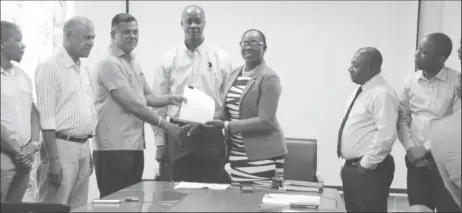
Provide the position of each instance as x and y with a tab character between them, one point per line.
158	196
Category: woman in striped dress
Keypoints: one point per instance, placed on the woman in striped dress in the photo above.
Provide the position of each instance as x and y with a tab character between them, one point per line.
255	142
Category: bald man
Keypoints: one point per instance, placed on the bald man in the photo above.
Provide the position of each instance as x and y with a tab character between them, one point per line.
68	118
428	94
198	63
367	134
445	142
19	119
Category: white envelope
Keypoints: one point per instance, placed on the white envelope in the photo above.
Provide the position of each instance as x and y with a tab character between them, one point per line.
199	108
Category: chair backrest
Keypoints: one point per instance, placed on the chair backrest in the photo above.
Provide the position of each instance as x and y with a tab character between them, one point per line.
11	207
301	159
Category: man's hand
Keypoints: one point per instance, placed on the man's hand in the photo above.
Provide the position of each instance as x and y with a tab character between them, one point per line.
191	129
215	124
24	161
55	172
176	100
416	153
171	129
160	153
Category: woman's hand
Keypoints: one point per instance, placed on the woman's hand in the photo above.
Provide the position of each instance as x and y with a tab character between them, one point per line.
215	124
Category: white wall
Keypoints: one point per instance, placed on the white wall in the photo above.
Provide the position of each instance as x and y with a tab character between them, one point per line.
319	55
445	17
310	45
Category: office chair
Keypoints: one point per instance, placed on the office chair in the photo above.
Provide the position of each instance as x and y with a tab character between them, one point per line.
301	160
12	207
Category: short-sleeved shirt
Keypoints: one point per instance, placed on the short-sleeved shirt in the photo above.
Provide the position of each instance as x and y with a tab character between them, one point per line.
16	103
117	128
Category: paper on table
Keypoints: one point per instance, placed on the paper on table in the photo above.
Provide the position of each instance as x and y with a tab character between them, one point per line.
287	199
199	108
191	185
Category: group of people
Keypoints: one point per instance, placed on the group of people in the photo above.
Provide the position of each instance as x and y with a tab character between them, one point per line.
111	104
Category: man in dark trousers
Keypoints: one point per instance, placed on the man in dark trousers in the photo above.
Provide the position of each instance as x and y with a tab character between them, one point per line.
367	134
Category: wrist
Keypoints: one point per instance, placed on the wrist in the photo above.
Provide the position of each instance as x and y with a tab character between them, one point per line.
226	125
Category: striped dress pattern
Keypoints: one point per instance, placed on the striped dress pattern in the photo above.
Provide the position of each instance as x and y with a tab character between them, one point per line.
243	170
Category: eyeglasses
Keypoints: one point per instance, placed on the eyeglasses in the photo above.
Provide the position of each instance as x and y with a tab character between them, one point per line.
253	44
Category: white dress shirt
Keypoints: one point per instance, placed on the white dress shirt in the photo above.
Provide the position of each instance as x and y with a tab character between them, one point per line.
370	129
423	101
16	104
207	68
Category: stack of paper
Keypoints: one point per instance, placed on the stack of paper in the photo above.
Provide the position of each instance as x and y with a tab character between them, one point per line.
191	185
290	201
303	186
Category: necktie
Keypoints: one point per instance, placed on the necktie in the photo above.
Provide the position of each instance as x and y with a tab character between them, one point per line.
339	142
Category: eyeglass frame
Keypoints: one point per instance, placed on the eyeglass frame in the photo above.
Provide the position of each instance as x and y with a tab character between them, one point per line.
247	43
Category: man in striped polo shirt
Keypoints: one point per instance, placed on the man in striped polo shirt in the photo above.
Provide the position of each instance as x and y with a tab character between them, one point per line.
68	118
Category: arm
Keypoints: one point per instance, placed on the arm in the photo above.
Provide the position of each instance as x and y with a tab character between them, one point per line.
46	81
112	78
35	124
456	103
404	116
161	87
153	100
385	112
8	144
267	107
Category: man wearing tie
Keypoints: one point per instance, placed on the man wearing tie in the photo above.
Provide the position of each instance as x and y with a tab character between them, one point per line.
366	136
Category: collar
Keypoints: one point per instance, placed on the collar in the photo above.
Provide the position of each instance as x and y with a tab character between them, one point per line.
120	53
67	59
442	74
199	49
8	73
372	82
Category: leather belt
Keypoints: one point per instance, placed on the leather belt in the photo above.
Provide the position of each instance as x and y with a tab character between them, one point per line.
72	138
353	161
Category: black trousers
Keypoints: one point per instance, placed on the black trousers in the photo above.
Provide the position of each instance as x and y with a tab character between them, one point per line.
426	187
196	158
367	191
118	169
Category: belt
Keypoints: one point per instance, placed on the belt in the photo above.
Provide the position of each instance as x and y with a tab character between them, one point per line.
353	161
72	138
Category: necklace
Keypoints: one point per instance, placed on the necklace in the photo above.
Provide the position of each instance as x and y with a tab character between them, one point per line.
248	73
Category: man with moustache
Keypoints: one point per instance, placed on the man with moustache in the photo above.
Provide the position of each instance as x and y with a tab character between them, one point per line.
445	142
428	94
122	100
367	134
20	126
68	118
202	65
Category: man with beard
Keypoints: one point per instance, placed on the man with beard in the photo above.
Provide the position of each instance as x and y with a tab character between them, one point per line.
122	100
202	65
428	94
20	126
